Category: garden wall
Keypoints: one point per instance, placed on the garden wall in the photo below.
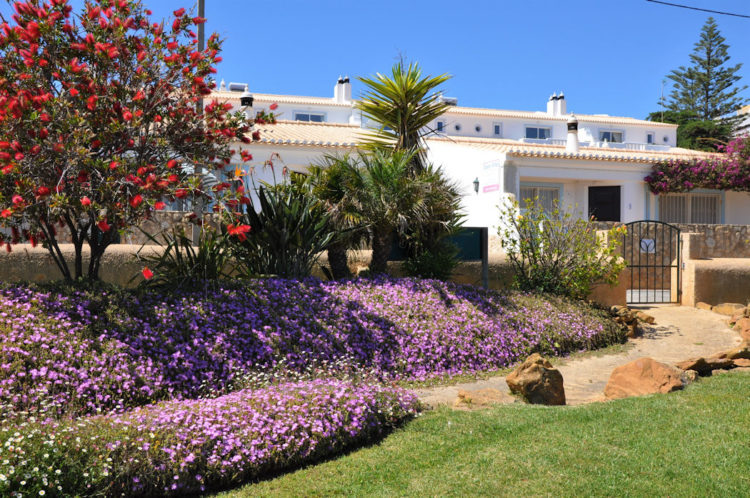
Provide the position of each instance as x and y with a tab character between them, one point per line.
713	241
120	266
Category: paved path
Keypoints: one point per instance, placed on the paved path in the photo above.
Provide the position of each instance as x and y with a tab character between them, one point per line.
678	334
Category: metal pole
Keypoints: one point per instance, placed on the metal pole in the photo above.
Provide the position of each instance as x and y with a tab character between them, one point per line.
198	204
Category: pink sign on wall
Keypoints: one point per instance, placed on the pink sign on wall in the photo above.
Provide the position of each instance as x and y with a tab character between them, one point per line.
490	188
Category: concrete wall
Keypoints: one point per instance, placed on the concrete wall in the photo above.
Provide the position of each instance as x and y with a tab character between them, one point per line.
715	281
121	266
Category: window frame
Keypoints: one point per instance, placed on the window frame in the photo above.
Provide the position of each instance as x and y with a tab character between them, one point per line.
689	196
541	185
497	130
322	114
610	131
652	135
440	126
538	127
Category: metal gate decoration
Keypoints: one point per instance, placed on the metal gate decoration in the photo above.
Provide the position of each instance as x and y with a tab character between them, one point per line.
652	250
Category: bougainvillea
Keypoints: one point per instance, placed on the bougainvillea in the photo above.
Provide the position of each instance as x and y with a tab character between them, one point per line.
81	352
100	123
728	171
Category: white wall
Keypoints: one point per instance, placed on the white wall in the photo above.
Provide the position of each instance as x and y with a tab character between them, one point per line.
737	208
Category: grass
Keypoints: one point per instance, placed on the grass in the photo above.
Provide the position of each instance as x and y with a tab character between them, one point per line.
690	443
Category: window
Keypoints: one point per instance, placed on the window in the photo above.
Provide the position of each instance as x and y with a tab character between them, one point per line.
548	197
538	132
440	126
458	127
649	138
611	136
477	128
315	117
497	129
690	208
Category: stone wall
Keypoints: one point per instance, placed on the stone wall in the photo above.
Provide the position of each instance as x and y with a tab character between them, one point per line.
714	241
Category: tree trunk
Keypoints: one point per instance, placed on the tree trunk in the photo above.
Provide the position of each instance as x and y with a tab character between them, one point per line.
381	250
338	261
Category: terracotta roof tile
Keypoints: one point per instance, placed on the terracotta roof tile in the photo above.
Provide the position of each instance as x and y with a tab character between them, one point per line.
330	135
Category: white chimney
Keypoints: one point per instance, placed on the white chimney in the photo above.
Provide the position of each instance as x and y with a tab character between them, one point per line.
551	103
562	108
347	87
571	145
338	90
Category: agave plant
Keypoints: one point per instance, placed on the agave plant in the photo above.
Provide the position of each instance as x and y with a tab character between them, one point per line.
286	236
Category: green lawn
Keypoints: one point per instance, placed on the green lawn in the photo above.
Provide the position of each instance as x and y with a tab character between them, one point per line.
690	443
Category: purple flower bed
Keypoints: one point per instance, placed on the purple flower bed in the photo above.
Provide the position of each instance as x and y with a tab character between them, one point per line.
180	447
76	352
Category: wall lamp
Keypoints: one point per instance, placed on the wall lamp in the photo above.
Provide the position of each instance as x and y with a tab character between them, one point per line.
476	185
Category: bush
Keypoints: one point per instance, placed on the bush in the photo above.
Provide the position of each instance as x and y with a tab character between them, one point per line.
182	447
287	235
557	252
436	261
181	264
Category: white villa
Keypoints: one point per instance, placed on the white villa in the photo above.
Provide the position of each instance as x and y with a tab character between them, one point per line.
593	164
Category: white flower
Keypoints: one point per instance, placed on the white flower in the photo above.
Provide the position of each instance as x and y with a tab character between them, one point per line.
3	478
42	492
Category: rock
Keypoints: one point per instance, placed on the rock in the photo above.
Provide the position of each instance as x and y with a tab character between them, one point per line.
615	310
741	352
741	363
633	330
719	361
689	376
743	325
742	369
480	398
728	308
736	318
703	306
696	364
643	376
537	381
645	317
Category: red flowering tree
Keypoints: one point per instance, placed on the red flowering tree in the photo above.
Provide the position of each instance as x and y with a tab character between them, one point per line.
728	171
99	121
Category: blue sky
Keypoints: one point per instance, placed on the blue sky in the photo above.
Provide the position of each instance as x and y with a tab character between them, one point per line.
608	56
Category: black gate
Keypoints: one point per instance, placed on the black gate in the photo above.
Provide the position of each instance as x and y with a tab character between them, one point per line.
652	250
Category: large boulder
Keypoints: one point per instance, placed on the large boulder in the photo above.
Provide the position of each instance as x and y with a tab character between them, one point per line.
537	381
643	376
741	351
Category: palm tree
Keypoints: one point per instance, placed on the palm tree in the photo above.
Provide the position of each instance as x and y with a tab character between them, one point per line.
390	198
403	104
336	182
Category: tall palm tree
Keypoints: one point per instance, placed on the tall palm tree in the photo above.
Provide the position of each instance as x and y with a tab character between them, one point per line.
403	104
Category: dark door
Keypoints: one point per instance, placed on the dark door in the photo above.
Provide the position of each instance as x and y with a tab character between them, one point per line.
604	203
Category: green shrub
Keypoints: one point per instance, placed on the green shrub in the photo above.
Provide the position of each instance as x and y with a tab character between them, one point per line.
286	236
181	264
557	252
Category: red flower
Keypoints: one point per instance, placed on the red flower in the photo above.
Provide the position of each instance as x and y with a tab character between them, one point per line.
181	193
6	213
103	226
42	191
113	165
273	106
256	135
179	12
73	92
239	231
127	115
159	205
147	274
171	163
17	199
85	201
136	201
